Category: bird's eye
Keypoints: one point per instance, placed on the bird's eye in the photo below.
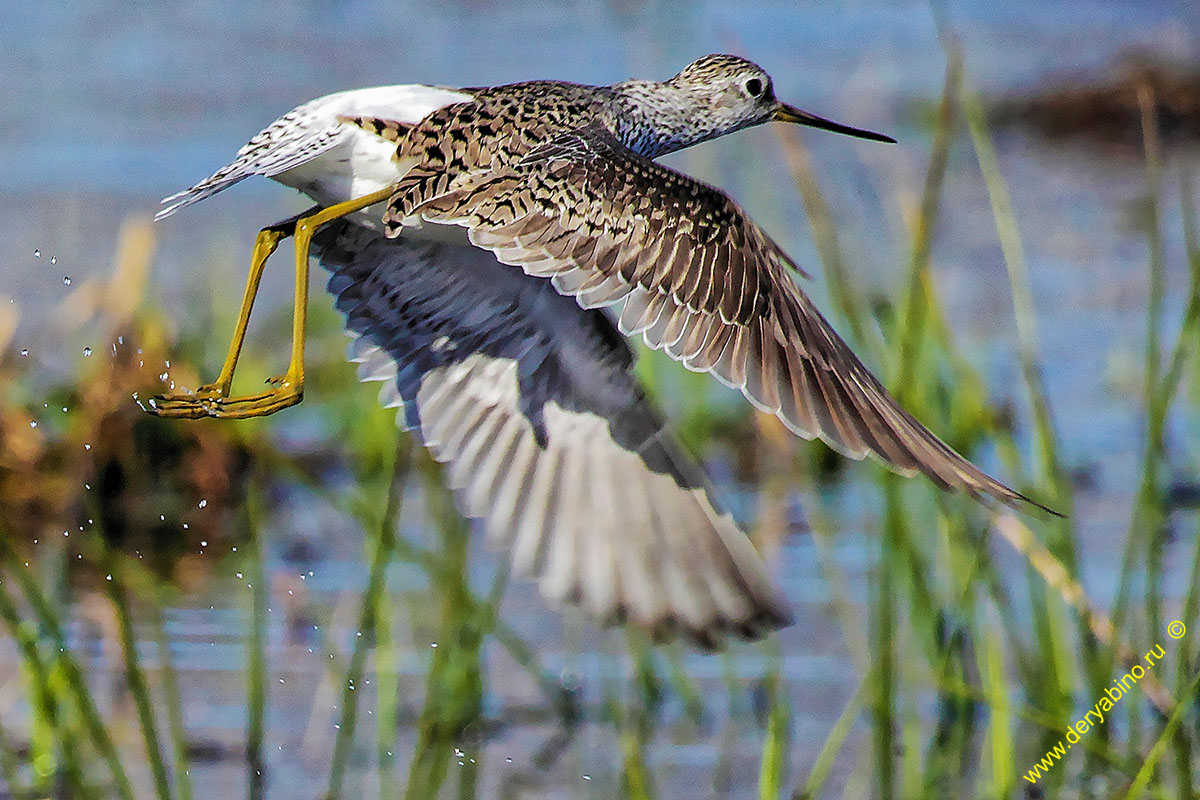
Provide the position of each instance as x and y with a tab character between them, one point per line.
754	87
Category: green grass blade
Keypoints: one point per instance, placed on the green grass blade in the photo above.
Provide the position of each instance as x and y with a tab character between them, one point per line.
1001	768
773	767
636	778
1142	780
43	755
256	647
1146	520
916	302
1189	329
1189	336
381	553
1150	506
81	695
1054	691
884	620
171	694
834	741
139	690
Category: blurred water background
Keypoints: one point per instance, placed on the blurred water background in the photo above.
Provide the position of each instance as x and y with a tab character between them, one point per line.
107	107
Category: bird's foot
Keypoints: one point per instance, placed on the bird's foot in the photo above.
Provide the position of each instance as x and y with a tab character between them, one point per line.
186	405
210	401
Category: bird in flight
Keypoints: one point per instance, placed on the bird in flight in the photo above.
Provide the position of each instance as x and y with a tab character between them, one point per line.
488	247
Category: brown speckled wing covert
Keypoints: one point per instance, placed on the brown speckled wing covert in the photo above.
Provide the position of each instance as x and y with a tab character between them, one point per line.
699	280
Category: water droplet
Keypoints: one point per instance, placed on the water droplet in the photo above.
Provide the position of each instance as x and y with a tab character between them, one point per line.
87	447
108	577
25	353
33	423
203	503
37	253
120	340
87	351
66	280
53	259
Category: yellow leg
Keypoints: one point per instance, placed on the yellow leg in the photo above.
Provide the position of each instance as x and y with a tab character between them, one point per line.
288	388
190	405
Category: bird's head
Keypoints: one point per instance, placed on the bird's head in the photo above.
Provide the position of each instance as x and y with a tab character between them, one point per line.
727	93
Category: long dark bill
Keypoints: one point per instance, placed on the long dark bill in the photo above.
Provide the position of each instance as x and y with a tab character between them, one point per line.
786	113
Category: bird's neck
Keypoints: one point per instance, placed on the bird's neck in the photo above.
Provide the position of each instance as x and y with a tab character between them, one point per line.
653	119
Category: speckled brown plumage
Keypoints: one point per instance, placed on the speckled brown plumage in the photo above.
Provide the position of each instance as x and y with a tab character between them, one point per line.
560	180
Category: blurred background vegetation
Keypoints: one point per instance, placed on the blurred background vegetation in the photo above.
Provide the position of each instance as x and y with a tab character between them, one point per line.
290	607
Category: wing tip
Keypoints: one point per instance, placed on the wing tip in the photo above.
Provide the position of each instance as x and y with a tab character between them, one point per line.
1022	503
715	636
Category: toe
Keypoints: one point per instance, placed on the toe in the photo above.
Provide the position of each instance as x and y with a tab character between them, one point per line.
175	407
259	405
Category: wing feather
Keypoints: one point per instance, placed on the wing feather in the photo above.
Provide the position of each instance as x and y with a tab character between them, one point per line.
695	262
547	437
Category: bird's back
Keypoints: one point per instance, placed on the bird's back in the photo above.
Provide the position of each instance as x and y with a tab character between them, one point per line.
309	149
496	128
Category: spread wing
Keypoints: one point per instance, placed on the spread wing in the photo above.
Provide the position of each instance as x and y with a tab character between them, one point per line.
548	439
698	279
